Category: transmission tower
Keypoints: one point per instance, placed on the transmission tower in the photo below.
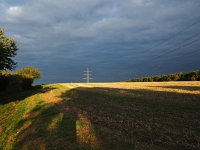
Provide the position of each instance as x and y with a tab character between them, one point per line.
87	75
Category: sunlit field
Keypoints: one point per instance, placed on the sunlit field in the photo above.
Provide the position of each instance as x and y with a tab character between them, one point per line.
122	115
176	87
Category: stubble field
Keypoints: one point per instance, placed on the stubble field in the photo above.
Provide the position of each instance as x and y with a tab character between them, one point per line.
122	115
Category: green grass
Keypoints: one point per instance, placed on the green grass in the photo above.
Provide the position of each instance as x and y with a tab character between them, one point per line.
57	117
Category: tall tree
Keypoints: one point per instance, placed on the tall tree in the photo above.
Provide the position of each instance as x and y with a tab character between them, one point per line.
8	50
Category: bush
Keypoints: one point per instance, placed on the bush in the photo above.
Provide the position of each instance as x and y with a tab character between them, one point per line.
14	83
29	72
18	81
26	83
3	80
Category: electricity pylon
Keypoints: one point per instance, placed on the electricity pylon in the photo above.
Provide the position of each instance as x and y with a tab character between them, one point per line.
88	75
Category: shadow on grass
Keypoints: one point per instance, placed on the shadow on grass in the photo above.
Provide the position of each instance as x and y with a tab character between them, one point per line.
121	119
189	88
6	97
48	127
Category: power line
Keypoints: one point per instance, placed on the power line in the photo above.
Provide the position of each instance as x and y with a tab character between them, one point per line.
176	34
88	75
189	43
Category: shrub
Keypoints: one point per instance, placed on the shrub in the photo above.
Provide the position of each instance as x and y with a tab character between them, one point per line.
3	80
29	72
14	83
18	81
26	83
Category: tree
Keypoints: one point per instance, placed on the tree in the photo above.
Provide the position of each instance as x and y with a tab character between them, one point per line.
8	50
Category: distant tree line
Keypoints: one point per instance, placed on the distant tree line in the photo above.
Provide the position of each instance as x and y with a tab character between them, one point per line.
18	80
181	76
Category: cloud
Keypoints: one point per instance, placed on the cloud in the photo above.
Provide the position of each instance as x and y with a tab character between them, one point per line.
103	33
142	2
14	11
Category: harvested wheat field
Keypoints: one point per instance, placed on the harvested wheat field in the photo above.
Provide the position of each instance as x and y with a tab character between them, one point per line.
123	115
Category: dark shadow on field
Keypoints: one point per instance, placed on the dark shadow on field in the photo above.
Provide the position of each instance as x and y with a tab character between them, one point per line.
121	119
6	97
188	88
51	127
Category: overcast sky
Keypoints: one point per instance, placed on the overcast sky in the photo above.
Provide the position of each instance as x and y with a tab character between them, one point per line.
116	39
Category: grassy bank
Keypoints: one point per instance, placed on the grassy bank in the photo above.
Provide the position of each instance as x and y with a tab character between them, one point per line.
102	116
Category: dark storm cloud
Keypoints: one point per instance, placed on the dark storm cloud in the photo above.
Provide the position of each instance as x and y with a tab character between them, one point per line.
116	39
